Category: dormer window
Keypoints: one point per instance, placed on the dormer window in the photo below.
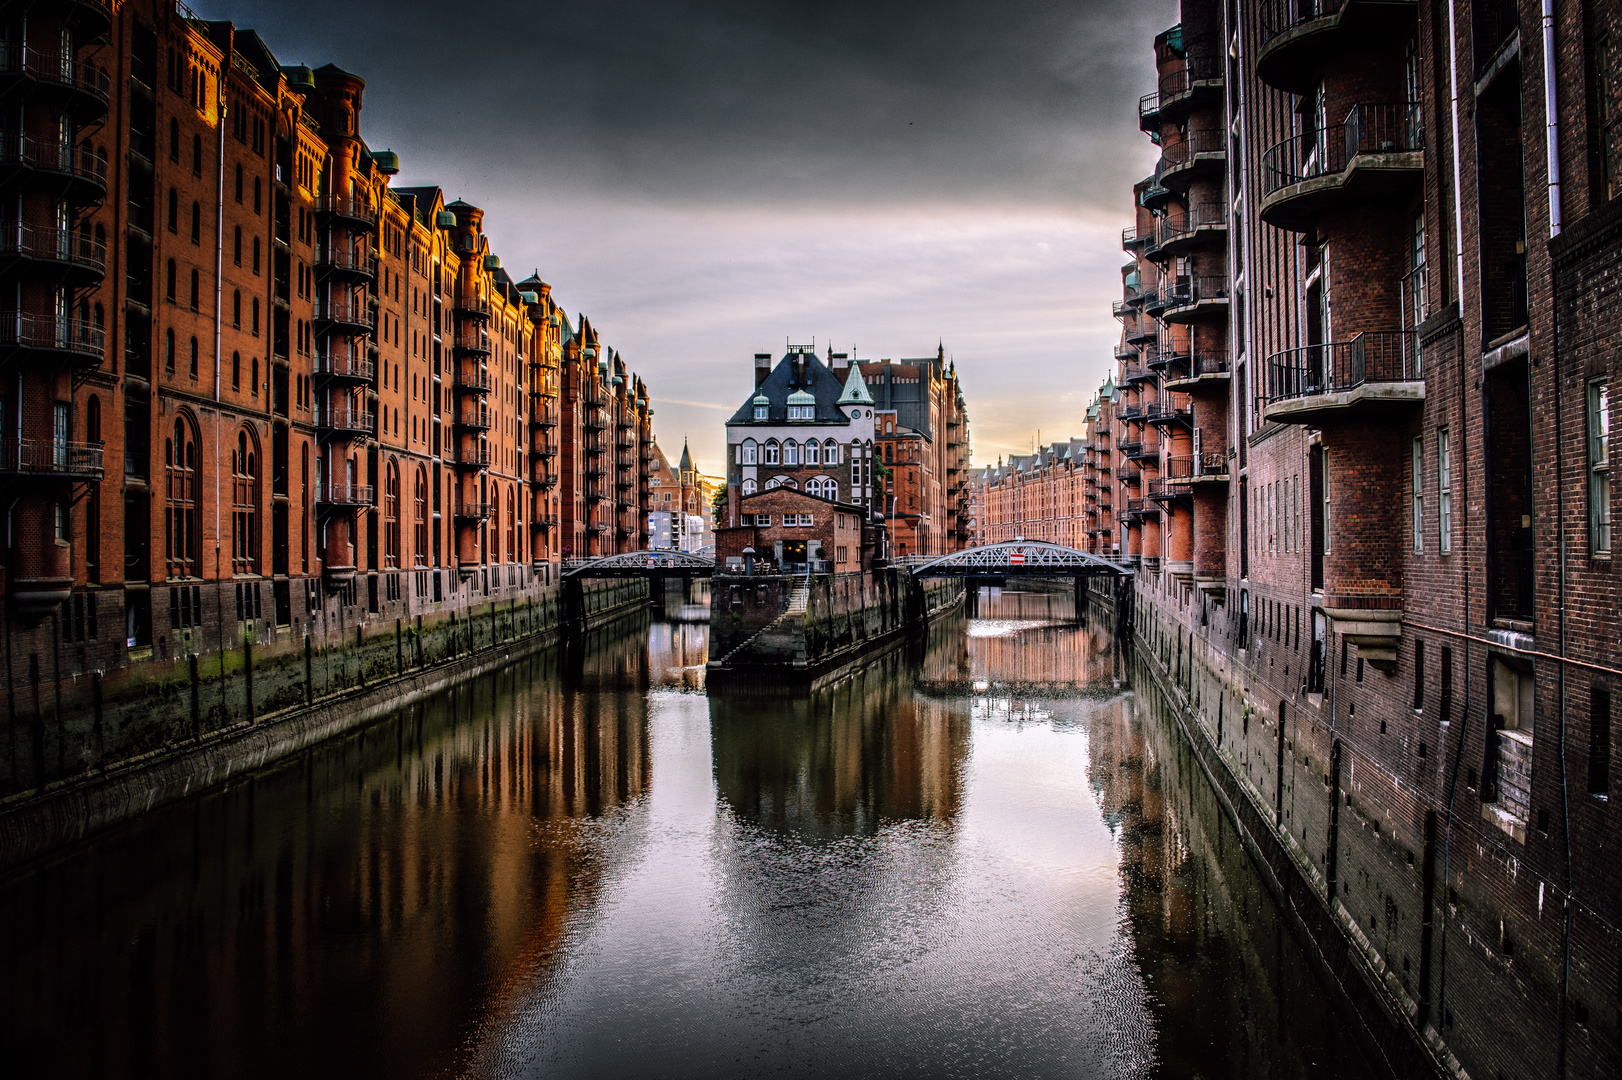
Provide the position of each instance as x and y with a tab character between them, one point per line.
802	412
760	412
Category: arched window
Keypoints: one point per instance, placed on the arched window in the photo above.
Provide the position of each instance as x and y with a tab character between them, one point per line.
236	309
256	255
771	452
512	518
92	419
791	453
830	453
196	291
193	368
813	452
197	155
169	281
174	140
749	449
255	390
169	352
420	532
196	223
239	188
174	210
180	518
391	514
255	326
245	504
749	487
236	246
236	371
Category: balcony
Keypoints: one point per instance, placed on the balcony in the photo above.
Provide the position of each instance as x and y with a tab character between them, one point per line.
1131	448
76	86
1170	488
76	170
75	258
473	307
1376	371
1138	509
1181	232
1189	299
1129	412
1126	352
1373	156
351	211
472	344
1141	330
1206	467
594	420
473	382
471	458
1170	409
1155	196
1198	371
473	512
1299	35
48	459
345	262
1142	452
343	317
1200	152
76	342
342	420
1149	115
473	419
1133	238
543	418
1196	84
545	449
340	365
343	495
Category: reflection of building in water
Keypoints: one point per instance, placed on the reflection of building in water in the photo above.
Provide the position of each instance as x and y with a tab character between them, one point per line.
1030	638
841	760
400	882
1256	1006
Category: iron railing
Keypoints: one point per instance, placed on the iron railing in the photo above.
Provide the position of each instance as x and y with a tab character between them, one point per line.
1186	223
72	335
349	207
52	457
1190	290
1182	152
61	245
1374	356
1197	68
345	493
350	363
1388	128
79	162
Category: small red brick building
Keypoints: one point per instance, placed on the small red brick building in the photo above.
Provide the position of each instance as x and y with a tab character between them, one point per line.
790	528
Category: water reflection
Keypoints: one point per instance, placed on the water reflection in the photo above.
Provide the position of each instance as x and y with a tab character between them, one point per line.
982	855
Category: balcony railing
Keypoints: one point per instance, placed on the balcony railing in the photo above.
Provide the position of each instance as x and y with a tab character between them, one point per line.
344	493
49	457
1371	357
1199	69
339	363
1391	128
57	245
350	312
474	307
346	417
1184	295
1171	406
476	381
55	70
347	261
474	511
1176	229
75	163
354	209
472	458
1207	463
1132	236
1202	145
478	419
79	339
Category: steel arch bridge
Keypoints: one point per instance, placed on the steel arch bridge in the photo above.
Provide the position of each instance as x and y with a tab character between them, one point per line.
1020	558
640	564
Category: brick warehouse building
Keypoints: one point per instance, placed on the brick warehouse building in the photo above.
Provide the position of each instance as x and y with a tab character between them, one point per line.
253	388
891	438
1363	466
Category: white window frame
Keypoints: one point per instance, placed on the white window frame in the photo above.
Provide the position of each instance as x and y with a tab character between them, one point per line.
1417	469
1444	491
1599	467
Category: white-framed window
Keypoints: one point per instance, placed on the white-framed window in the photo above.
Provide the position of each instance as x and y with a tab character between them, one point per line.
830	452
1599	467
813	452
1444	492
805	519
748	455
1417	492
761	411
763	519
750	487
771	451
791	453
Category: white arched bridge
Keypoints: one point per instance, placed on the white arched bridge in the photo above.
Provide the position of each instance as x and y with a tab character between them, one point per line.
1018	558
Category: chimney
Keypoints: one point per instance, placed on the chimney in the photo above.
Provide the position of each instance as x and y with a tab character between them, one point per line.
763	367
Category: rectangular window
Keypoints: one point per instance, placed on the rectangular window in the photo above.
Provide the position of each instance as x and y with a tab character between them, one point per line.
1444	500
1599	467
1419	675
1447	685
1599	741
1419	495
763	519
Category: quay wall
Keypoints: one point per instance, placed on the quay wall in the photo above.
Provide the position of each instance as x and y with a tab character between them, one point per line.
109	749
755	629
1449	948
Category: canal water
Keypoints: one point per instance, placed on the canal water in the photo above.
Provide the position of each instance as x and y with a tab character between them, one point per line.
981	855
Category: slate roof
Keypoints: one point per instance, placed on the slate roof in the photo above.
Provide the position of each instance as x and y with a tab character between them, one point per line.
824	386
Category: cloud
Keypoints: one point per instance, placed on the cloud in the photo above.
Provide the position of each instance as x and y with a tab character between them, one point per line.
709	178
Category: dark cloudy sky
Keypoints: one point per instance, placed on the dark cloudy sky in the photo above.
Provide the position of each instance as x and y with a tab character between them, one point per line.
710	179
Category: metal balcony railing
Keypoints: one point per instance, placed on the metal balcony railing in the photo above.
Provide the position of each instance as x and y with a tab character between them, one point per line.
79	338
58	245
1185	151
474	307
473	458
77	163
345	260
49	457
350	311
351	208
1389	128
1186	223
338	363
1197	68
1189	466
344	493
478	419
54	69
1187	292
1370	357
346	417
477	381
474	511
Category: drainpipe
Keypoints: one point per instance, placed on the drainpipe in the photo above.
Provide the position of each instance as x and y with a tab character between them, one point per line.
1551	114
219	298
1458	199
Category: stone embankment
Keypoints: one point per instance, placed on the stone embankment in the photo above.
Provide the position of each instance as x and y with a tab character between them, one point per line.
111	751
773	629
